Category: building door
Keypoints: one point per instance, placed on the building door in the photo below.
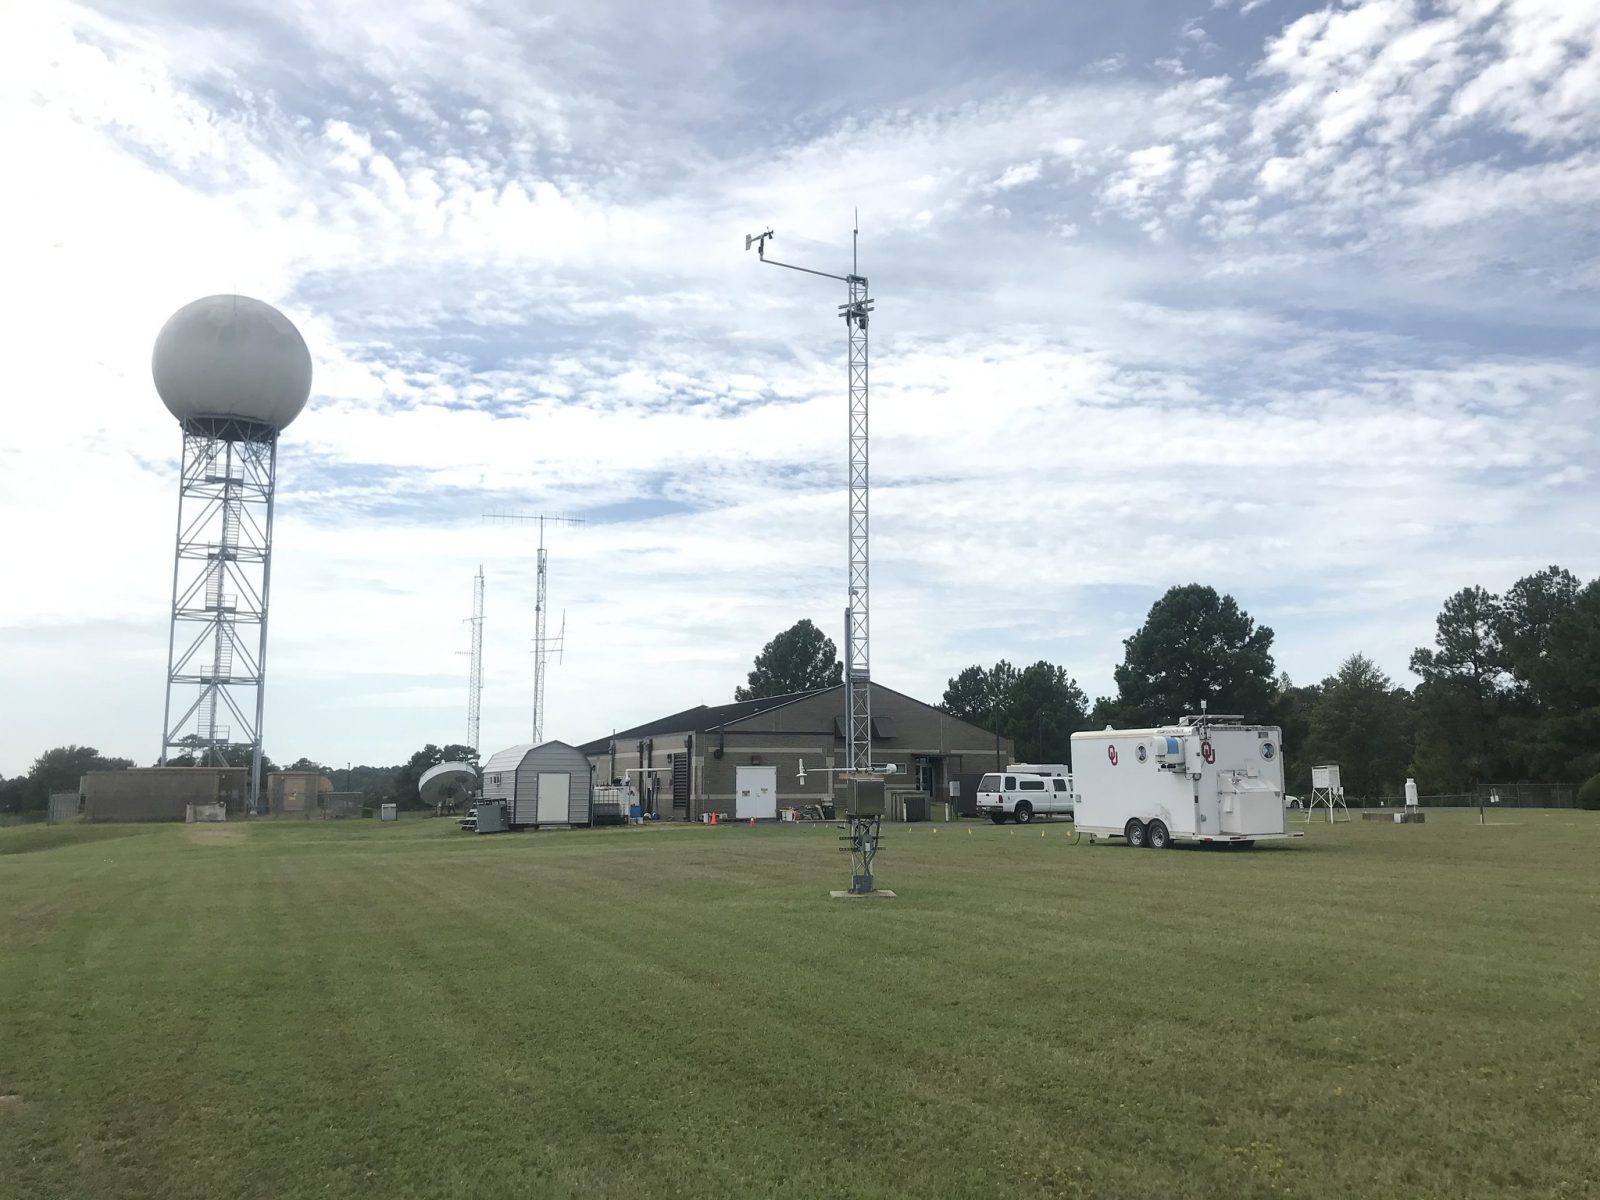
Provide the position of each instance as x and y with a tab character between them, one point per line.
756	793
554	789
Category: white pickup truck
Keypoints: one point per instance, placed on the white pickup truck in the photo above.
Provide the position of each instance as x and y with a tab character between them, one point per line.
1022	794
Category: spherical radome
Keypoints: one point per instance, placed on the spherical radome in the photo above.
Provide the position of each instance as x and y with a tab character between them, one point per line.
231	356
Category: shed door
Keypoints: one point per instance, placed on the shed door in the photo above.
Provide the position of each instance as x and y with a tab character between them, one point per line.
553	790
756	793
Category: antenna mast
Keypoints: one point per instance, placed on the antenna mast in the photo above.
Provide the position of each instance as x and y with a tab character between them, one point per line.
858	627
542	647
475	676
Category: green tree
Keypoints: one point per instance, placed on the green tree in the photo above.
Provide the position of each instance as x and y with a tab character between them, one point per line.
1463	684
306	764
980	694
1363	723
59	770
1045	707
799	659
1194	646
1292	714
1039	707
16	795
1549	631
1532	625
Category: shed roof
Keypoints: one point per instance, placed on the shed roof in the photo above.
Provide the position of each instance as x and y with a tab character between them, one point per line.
511	757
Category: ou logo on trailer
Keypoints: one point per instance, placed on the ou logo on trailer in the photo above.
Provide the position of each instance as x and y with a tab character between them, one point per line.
1111	753
1208	752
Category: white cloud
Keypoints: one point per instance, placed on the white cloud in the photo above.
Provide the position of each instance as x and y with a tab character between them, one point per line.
1016	176
1226	319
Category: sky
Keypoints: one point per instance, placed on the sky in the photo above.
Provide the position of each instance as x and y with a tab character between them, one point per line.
1292	299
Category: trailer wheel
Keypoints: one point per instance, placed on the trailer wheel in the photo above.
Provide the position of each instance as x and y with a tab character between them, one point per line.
1024	812
1157	837
1134	832
998	818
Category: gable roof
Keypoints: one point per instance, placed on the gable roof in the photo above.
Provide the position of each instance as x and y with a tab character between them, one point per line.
702	718
511	757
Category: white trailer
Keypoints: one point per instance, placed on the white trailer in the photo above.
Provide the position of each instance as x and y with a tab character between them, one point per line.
1202	780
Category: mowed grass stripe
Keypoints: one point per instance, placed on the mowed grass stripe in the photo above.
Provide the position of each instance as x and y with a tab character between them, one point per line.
352	1009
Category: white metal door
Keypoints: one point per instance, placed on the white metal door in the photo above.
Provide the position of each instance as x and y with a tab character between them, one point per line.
755	793
553	790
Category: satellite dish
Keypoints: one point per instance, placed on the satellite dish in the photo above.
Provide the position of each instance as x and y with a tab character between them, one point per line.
447	783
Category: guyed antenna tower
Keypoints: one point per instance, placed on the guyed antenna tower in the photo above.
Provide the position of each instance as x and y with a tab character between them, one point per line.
543	646
475	671
865	783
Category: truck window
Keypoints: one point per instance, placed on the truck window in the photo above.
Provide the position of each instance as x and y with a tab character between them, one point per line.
989	783
1011	783
1033	785
1061	784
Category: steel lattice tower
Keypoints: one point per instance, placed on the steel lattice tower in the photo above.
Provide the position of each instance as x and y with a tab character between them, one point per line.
221	576
475	676
858	627
235	372
543	645
856	312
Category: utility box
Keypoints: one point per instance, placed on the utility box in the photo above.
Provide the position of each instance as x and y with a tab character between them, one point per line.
864	797
63	807
492	818
1202	780
389	812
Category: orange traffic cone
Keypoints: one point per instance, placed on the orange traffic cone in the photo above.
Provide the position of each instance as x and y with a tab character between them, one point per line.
713	818
752	822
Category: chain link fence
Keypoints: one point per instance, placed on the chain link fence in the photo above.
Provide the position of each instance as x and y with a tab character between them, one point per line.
1489	795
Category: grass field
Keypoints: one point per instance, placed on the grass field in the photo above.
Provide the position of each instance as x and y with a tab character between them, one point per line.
357	1009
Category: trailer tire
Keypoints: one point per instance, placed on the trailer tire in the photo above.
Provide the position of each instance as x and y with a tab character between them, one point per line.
1156	836
998	818
1024	812
1134	832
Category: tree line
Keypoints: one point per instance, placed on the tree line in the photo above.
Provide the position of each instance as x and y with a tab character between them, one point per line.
1508	691
60	769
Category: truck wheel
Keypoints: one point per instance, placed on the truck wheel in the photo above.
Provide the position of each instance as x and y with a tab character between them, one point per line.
998	818
1134	832
1024	812
1157	837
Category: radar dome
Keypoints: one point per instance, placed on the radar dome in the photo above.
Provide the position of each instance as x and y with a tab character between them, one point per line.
231	356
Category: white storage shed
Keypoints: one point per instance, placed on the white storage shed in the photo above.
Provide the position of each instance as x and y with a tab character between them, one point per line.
547	786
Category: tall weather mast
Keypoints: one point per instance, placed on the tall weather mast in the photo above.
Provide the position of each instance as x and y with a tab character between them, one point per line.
543	646
475	676
856	311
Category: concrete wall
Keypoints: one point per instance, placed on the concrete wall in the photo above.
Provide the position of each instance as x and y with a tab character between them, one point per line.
161	793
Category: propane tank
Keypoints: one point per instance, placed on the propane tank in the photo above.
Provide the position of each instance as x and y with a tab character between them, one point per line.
1411	793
